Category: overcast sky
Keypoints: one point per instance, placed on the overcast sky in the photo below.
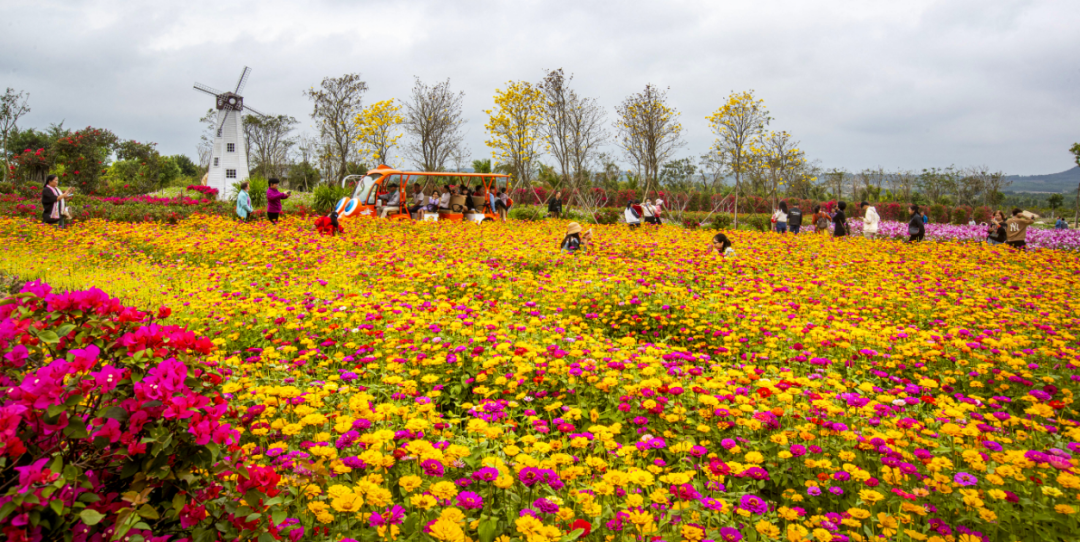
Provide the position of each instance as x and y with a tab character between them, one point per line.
907	84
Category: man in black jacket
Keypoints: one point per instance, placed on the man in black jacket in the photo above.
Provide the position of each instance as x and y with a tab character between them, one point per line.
794	218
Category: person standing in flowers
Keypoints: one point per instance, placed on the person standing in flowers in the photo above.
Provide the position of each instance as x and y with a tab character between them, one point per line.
54	202
1016	228
574	241
870	220
555	205
243	203
794	218
633	219
995	234
820	219
273	200
916	227
780	218
722	245
840	220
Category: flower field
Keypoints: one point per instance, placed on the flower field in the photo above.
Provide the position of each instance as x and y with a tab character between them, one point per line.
1037	238
457	382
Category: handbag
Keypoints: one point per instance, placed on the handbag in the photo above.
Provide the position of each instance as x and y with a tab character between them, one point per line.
912	229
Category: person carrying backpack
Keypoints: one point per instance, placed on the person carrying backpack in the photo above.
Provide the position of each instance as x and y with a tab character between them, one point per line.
821	219
794	218
839	219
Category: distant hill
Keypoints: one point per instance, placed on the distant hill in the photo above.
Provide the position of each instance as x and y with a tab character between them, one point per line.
1066	181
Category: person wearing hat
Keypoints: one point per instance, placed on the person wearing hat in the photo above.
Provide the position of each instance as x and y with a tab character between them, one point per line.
573	242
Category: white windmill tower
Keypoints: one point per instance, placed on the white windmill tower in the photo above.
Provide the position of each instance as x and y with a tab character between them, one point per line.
228	159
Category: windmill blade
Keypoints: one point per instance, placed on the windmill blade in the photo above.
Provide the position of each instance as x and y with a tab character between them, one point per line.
259	113
206	89
243	80
224	118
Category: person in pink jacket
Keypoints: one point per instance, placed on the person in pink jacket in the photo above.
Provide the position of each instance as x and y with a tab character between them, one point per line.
273	200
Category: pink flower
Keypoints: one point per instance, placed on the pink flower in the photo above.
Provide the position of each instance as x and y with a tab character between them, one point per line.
111	431
85	358
32	474
17	356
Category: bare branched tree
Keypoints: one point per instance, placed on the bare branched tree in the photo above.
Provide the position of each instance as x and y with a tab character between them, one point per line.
648	130
205	148
902	183
337	101
433	123
269	143
990	183
13	105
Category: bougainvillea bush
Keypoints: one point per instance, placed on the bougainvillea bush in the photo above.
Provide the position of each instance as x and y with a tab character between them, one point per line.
462	382
110	430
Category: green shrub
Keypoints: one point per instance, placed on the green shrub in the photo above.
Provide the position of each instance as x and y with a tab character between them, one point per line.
608	216
257	187
326	196
530	213
7	188
721	221
759	222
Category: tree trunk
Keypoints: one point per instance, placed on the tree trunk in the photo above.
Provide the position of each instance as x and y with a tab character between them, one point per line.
736	200
1076	215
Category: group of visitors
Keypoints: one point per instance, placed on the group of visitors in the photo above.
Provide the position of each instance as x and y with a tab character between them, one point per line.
648	211
441	200
274	197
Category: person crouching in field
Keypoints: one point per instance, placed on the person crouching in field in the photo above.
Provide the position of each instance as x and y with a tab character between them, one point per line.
722	245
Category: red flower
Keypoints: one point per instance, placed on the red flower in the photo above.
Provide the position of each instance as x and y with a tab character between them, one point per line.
581	524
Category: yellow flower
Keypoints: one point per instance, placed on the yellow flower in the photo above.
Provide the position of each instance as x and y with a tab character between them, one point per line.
443	490
447	531
410	483
347	503
870	496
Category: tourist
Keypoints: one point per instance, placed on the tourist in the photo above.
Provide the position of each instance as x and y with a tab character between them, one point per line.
821	219
502	204
972	222
779	218
444	199
925	218
839	219
418	201
722	245
555	205
243	203
393	202
647	210
1061	224
870	220
54	202
273	200
995	234
916	226
633	219
794	218
1016	228
572	242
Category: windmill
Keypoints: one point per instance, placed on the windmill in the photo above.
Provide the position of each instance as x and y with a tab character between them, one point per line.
228	159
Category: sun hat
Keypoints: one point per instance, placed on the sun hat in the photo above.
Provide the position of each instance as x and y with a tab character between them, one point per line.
573	228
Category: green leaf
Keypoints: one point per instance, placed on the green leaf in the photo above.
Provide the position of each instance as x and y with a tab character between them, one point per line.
148	512
54	410
48	336
57	506
63	330
252	498
76	429
574	535
91	517
117	413
278	516
488	529
178	501
410	523
7	509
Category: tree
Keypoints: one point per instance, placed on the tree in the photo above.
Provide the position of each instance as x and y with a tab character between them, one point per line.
186	166
377	130
1054	201
677	180
782	159
901	184
738	125
433	122
557	101
336	103
205	148
648	131
269	143
83	157
573	128
713	167
514	128
13	105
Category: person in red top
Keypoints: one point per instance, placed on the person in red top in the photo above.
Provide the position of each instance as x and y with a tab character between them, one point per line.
273	200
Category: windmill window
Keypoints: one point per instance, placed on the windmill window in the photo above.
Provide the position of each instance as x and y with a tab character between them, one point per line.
230	173
231	147
219	132
216	162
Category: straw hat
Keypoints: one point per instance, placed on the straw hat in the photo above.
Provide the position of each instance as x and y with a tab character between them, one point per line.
573	228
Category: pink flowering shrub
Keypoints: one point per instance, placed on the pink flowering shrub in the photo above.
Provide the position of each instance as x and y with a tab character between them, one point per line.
109	431
208	191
